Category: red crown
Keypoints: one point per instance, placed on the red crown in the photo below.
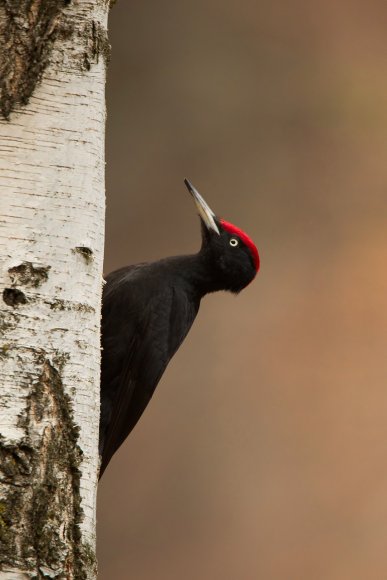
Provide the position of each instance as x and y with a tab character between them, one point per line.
245	239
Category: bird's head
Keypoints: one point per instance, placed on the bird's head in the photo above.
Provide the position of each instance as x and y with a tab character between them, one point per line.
233	255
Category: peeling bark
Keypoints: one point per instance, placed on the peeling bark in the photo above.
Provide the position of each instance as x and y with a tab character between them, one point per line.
52	75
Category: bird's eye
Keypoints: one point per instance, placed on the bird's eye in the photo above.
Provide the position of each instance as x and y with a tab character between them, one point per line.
234	242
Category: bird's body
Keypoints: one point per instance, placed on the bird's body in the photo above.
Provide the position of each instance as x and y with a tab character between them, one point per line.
149	337
148	310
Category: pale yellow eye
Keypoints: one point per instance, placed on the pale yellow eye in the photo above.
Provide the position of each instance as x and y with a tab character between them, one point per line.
234	242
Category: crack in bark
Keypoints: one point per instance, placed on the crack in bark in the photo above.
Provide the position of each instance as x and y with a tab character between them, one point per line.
96	43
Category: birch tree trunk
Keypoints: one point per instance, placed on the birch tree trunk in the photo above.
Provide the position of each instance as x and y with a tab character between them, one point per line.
52	80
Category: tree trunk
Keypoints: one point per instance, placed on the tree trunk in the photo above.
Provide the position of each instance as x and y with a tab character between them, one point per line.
52	80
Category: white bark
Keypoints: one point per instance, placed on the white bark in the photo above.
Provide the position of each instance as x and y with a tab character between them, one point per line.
51	250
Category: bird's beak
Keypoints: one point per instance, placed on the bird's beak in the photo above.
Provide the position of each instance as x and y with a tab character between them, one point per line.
205	212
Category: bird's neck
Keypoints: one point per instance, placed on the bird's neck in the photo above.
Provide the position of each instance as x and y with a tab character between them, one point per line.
199	273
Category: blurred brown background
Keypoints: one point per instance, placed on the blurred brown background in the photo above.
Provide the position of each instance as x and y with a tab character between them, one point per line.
263	454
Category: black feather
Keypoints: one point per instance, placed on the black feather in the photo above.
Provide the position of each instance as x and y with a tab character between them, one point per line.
145	317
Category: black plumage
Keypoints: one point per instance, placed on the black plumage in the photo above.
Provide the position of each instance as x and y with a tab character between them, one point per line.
148	309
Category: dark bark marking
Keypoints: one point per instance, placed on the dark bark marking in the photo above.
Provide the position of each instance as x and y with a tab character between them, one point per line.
14	297
42	473
28	29
97	44
26	274
85	252
58	304
8	321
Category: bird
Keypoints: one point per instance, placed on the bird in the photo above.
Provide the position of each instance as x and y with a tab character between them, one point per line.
147	311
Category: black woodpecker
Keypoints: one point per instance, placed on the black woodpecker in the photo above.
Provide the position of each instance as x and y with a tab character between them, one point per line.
148	309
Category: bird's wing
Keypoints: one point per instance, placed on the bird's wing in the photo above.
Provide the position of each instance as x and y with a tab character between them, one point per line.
117	425
149	342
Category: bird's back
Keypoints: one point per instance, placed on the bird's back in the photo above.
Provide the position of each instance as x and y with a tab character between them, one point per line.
146	314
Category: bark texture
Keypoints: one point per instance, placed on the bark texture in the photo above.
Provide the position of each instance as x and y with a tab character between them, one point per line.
52	70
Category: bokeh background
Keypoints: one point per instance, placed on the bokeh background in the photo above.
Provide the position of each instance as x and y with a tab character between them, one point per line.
263	454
